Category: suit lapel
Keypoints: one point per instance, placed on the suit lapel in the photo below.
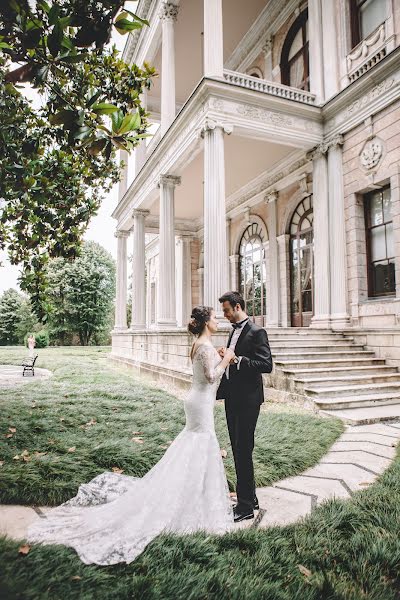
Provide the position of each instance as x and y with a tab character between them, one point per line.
242	336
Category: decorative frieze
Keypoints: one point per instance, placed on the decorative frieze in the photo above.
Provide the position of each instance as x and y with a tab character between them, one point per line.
376	91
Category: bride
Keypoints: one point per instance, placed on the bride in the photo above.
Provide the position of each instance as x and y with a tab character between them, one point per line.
114	517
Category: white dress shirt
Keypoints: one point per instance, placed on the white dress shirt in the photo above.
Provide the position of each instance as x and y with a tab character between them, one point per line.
232	344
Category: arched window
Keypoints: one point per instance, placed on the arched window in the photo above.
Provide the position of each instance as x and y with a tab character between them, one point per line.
252	271
302	263
294	58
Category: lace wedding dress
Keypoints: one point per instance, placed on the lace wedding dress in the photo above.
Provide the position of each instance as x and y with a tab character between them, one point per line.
113	517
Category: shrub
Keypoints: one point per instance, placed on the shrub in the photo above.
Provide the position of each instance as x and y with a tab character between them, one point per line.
42	338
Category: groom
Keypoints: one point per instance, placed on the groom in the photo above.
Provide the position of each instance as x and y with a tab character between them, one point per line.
242	388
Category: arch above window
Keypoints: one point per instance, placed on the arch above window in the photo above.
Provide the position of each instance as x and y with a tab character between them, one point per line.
295	70
255	72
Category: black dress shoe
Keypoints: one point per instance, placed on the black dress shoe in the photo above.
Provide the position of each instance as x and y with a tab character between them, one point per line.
256	505
242	514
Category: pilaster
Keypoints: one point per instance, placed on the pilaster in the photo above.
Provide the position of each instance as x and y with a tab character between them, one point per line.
121	280
139	271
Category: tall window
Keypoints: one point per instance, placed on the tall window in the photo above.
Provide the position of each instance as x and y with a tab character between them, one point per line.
252	270
366	15
294	59
380	243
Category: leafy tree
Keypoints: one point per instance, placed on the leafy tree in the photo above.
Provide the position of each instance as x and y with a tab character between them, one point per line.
57	162
80	293
27	320
10	304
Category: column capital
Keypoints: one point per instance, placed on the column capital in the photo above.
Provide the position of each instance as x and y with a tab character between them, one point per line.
168	11
335	141
121	234
272	196
211	124
169	180
317	152
140	212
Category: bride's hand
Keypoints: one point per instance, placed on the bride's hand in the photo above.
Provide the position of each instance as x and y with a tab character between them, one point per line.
229	355
221	351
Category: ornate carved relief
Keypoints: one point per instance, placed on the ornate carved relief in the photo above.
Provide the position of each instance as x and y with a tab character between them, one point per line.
371	153
267	116
168	11
376	91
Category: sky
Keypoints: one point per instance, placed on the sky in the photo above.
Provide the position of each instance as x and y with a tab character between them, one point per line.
101	228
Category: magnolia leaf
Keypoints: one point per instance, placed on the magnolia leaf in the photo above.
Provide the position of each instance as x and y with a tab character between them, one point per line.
104	108
131	121
122	15
97	146
124	25
63	117
72	449
117	470
12	429
306	572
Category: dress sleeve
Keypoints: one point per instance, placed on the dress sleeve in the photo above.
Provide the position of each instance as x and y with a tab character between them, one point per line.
206	356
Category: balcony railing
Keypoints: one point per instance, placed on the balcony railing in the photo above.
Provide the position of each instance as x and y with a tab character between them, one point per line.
268	87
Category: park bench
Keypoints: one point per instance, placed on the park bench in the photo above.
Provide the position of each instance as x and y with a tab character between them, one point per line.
29	364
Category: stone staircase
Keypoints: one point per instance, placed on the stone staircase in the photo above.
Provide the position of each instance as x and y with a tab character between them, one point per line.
331	373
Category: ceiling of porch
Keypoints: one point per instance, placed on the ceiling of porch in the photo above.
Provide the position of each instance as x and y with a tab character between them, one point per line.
245	159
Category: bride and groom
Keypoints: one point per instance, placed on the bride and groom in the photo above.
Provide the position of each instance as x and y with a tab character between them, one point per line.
114	517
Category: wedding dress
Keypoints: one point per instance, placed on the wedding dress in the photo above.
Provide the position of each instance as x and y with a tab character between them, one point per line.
114	517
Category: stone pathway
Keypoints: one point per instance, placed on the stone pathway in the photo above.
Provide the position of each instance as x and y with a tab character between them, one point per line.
11	375
352	463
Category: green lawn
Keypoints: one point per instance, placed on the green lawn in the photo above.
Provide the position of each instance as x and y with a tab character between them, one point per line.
92	416
347	550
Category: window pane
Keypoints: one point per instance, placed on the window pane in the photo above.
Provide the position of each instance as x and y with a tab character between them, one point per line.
297	44
387	205
378	244
307	301
375	209
372	14
383	278
389	241
297	71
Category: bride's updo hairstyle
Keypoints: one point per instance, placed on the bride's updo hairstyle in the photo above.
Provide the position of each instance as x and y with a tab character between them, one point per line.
198	319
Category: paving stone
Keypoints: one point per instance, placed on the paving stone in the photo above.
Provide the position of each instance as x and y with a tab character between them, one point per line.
358	457
386	429
354	477
321	488
377	438
11	375
15	520
385	451
282	507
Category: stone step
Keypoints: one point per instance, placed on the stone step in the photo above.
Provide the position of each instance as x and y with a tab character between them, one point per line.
330	354
365	415
319	383
356	401
302	374
286	364
320	346
315	337
358	390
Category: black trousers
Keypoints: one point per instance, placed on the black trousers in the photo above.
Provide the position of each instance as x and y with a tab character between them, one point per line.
241	427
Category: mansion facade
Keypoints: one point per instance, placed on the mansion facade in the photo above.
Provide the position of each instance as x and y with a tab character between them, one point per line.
274	170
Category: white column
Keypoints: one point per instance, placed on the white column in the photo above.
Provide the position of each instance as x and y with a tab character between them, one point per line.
337	235
121	280
213	39
168	16
183	280
166	266
274	284
330	48
234	283
316	49
216	275
284	270
140	150
267	51
123	182
139	271
321	316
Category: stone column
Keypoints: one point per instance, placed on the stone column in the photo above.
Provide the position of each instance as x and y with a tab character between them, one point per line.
123	182
168	16
337	235
140	150
139	271
166	292
234	283
316	49
284	270
183	280
330	48
321	316
216	276
274	284
267	51
213	39
121	280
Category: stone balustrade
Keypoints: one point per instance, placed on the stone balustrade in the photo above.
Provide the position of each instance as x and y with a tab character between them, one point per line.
268	87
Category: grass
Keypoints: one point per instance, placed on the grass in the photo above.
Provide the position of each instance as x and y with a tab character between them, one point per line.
92	416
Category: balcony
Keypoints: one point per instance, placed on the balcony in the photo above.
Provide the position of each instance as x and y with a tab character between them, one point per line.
268	87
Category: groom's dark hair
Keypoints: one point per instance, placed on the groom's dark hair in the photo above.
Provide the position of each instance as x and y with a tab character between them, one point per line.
233	298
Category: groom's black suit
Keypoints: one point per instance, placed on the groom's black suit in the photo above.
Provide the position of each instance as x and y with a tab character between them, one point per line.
243	393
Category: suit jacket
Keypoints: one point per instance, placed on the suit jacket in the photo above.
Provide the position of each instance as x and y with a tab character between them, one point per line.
244	388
